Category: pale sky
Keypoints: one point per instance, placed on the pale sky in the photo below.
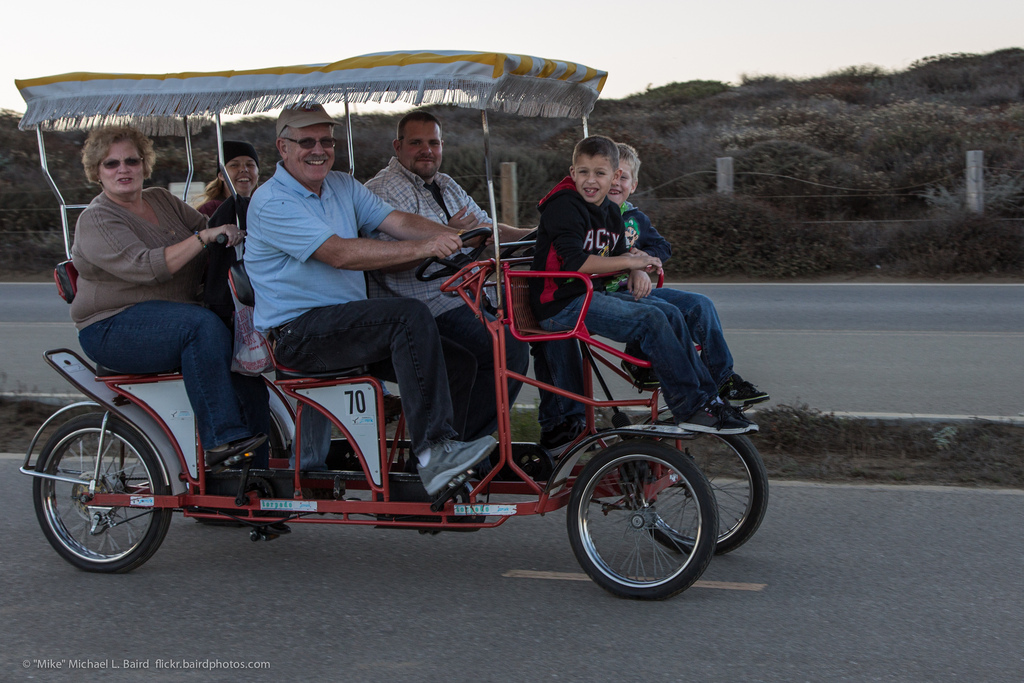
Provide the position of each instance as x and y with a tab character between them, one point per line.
638	43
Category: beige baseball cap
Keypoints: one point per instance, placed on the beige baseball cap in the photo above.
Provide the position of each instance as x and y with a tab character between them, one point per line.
302	115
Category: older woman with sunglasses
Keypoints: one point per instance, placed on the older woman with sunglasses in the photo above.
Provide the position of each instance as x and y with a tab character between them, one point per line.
140	255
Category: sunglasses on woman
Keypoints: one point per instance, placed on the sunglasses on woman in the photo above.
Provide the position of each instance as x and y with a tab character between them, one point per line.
130	162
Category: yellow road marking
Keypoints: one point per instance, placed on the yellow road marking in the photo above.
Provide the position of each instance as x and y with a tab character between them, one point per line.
574	576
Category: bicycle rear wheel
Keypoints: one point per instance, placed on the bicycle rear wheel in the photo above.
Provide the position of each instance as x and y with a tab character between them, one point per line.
99	538
738	478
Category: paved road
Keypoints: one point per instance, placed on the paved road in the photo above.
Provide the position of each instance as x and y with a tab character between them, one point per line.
874	348
845	584
930	348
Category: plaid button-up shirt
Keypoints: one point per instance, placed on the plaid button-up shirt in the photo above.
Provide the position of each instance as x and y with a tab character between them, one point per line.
406	191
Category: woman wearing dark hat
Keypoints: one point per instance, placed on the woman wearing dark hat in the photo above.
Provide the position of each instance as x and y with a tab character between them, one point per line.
243	166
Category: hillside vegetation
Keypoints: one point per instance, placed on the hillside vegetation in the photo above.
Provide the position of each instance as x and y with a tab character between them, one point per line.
854	172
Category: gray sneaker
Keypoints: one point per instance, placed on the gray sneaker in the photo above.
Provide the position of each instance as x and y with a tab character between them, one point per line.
450	459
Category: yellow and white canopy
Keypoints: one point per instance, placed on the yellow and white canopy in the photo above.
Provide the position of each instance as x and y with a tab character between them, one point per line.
519	84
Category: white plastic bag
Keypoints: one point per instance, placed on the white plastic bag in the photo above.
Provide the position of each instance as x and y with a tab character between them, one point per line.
252	352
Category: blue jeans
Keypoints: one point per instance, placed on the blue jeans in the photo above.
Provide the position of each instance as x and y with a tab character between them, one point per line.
705	329
460	326
162	336
561	364
659	329
398	339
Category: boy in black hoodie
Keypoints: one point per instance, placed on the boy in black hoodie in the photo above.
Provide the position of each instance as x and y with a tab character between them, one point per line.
582	230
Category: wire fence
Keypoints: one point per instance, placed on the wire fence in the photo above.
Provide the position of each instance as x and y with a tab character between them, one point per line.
915	198
916	192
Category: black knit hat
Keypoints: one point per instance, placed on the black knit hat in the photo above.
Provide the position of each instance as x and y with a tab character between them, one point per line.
236	148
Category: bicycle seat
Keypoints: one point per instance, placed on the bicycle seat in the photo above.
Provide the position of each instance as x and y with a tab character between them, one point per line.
288	373
104	371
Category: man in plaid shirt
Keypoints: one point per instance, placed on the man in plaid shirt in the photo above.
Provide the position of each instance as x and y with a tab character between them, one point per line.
411	182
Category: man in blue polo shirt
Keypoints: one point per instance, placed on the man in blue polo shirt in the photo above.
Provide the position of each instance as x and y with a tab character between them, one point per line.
310	238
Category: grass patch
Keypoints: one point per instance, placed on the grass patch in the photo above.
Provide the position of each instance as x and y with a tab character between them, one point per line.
524	424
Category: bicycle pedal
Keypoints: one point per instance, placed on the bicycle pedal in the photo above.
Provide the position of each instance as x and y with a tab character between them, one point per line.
231	462
449	491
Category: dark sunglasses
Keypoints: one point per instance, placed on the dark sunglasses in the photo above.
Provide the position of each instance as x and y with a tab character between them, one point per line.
310	143
130	162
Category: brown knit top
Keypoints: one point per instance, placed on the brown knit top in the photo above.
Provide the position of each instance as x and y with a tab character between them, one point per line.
120	256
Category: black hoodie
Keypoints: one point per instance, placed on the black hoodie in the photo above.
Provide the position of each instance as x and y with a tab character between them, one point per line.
571	229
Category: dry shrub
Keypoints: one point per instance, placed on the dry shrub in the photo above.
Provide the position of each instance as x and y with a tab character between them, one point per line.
959	245
801	443
905	143
686	92
987	80
719	235
784	173
536	172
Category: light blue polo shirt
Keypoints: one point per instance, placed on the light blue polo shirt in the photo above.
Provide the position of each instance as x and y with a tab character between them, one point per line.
286	223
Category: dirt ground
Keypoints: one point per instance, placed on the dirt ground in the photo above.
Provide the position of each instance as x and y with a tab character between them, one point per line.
19	420
796	443
799	443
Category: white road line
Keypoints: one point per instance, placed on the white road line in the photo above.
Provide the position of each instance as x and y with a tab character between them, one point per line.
876	333
842	284
22	323
573	576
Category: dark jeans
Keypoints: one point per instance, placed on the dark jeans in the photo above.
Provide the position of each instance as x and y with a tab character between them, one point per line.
398	339
705	329
659	328
461	327
161	336
561	364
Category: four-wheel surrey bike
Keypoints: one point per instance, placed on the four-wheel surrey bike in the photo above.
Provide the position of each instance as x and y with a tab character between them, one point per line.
647	504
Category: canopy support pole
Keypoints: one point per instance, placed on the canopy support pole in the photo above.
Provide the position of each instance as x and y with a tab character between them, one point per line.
189	159
348	138
220	157
65	227
493	205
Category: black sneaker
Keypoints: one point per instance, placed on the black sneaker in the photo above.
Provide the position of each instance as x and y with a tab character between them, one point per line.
556	440
233	453
716	417
643	378
739	393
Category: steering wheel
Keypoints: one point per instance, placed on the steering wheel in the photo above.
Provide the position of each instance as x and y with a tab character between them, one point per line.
456	261
527	249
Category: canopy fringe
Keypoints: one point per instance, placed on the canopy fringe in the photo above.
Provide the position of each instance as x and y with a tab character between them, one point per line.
161	114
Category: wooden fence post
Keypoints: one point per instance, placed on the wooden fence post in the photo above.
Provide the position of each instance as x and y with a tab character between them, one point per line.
509	194
723	165
976	181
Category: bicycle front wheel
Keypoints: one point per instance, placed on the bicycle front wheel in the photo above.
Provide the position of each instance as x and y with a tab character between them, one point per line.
626	496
